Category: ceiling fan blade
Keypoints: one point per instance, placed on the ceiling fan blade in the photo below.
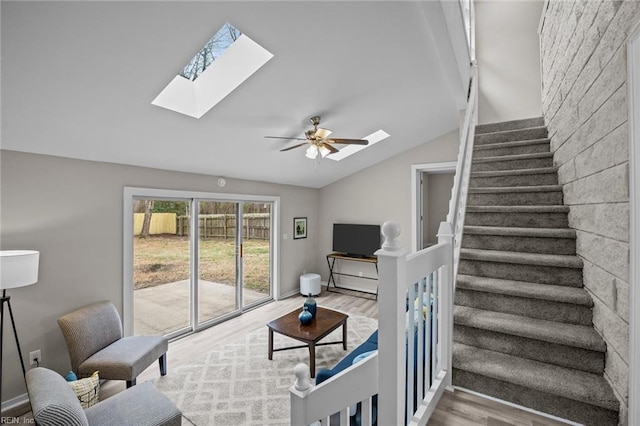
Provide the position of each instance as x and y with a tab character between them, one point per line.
281	137
322	133
349	141
292	147
331	148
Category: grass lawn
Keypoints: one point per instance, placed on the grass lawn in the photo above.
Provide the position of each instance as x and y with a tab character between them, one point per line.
162	259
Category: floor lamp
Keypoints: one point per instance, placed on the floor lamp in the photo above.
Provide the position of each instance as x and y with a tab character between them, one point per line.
18	268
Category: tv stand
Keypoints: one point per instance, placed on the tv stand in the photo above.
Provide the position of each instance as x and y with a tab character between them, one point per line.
331	261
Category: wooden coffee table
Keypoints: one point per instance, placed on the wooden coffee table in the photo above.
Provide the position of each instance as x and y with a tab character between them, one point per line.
325	322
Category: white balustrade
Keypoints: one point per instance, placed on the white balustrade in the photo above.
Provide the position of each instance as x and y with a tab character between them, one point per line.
458	202
415	325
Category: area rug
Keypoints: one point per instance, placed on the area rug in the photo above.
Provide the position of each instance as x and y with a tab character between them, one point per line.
238	385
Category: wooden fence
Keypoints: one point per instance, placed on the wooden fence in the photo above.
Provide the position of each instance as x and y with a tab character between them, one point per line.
161	223
255	225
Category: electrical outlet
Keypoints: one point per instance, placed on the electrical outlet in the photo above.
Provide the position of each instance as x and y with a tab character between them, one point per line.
35	355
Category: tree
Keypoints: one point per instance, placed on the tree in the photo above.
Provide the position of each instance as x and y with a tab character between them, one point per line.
210	52
146	223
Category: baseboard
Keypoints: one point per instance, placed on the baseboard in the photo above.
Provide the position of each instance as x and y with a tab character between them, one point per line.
15	407
296	292
519	407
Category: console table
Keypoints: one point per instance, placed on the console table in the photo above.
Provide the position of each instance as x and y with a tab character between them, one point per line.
332	258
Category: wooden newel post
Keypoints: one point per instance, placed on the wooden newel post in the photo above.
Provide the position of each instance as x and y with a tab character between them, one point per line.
391	324
446	287
298	392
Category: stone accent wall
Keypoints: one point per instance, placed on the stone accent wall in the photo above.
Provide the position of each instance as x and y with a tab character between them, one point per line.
584	102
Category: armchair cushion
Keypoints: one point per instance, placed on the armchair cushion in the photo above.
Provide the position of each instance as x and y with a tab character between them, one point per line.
53	402
141	405
90	329
94	339
126	358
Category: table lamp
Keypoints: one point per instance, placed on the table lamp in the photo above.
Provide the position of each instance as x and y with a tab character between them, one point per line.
18	268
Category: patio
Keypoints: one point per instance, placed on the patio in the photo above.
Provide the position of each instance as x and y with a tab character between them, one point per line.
165	308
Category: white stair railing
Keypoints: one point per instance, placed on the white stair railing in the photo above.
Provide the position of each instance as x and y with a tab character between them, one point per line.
458	202
338	394
413	364
415	318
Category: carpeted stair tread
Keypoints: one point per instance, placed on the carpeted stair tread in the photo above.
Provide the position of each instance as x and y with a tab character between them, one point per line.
579	336
513	157
528	133
556	293
517	172
518	209
517	189
521	232
488	146
510	125
557	260
564	382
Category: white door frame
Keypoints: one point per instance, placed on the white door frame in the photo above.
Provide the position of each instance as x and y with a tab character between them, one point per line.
416	196
633	87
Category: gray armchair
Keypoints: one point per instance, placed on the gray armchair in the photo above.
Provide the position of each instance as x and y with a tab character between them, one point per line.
95	342
54	403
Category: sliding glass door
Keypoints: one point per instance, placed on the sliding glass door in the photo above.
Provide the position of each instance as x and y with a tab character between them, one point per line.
196	261
256	252
162	262
218	260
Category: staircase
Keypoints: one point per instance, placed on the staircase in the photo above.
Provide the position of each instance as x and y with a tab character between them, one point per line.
522	321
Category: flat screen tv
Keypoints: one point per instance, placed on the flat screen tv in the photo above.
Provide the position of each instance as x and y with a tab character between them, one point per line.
356	240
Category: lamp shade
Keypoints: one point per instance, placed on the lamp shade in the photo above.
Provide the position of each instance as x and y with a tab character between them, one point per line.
18	268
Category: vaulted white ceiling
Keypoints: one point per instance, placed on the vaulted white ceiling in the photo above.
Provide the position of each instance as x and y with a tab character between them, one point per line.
78	79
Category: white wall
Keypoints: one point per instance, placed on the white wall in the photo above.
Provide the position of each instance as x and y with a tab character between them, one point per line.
508	55
378	194
71	211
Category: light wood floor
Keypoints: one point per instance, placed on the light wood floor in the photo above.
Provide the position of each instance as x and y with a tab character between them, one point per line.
457	408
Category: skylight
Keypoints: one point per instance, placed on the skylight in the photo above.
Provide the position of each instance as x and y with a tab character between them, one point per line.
211	51
348	150
225	62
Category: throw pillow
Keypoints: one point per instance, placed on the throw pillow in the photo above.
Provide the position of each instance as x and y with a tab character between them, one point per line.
87	390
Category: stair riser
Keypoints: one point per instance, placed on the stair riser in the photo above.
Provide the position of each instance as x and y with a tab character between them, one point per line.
531	308
562	407
512	150
571	277
511	136
537	350
518	164
523	220
515	199
510	125
514	180
520	244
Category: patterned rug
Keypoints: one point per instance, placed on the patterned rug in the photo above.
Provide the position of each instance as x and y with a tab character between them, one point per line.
238	385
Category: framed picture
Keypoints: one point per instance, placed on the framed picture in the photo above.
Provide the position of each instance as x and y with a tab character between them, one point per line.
299	227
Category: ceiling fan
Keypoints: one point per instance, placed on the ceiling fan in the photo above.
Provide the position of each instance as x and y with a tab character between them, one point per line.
318	141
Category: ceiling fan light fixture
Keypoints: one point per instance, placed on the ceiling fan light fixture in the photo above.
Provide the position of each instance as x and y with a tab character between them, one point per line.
312	152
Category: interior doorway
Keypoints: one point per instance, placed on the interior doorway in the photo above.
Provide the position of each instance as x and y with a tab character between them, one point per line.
431	192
